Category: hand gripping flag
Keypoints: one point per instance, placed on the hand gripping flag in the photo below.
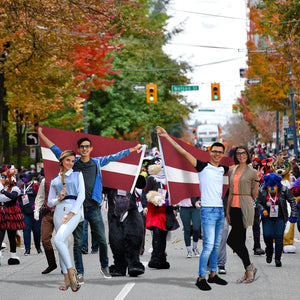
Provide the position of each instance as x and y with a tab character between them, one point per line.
182	177
121	174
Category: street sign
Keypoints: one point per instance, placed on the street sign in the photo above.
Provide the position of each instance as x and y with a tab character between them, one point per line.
184	88
285	122
32	139
254	81
141	87
32	152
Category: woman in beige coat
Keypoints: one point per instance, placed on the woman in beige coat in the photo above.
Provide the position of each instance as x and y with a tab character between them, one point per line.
243	188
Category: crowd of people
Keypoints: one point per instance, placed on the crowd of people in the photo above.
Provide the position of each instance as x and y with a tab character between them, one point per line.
258	191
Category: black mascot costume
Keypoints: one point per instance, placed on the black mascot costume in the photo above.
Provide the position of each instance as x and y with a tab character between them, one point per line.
125	230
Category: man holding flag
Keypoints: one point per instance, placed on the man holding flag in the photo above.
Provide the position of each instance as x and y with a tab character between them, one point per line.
91	170
212	212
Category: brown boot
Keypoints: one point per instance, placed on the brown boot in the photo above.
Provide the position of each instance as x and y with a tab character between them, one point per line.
51	261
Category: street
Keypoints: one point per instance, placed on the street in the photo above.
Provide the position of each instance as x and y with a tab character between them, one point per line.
26	282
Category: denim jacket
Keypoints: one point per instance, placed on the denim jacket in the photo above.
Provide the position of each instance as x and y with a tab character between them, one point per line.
100	162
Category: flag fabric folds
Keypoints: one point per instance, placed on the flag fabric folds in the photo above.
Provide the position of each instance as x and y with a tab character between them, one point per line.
182	177
120	174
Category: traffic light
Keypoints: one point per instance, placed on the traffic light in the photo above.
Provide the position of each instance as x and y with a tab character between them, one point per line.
151	93
215	91
234	108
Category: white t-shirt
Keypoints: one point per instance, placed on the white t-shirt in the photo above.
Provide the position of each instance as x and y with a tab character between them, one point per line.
211	183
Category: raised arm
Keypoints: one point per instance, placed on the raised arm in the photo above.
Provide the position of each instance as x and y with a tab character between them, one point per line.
44	138
190	158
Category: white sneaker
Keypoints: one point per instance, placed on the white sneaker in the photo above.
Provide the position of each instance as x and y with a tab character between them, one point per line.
189	254
196	252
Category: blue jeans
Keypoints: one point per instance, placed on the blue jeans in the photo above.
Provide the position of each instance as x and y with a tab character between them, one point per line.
85	243
94	217
35	226
188	214
273	228
212	220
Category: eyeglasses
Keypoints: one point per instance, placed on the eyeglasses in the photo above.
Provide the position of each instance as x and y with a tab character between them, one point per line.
217	152
241	153
85	146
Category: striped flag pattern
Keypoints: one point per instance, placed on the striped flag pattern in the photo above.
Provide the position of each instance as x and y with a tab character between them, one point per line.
182	177
121	174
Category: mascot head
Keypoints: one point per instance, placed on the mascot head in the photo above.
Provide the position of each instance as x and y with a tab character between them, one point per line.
8	177
272	182
281	166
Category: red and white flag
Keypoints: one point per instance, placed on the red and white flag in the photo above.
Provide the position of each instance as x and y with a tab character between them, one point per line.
182	177
121	174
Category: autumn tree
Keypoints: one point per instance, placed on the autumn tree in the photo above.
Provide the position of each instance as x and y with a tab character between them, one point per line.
51	45
273	47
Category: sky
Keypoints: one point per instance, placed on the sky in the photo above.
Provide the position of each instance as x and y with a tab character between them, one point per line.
212	23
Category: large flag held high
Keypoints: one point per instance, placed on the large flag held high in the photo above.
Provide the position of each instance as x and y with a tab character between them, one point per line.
120	174
182	177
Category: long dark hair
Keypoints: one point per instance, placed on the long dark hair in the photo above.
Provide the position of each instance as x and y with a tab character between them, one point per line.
236	162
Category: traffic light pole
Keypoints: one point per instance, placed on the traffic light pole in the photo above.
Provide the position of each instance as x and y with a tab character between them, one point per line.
293	116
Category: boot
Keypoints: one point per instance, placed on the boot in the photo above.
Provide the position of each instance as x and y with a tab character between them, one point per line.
51	261
14	259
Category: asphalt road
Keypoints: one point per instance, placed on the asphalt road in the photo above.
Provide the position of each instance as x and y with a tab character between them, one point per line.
26	282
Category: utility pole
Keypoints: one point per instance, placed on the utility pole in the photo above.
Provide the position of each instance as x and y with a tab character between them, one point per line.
293	115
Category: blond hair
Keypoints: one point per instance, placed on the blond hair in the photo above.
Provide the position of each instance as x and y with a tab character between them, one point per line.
63	155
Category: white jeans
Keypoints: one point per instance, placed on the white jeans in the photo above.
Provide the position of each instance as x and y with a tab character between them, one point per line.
63	232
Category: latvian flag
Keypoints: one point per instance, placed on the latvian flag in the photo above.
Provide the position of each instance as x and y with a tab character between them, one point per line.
183	180
121	174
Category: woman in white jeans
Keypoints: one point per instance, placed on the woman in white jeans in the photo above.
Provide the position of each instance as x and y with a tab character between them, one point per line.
67	194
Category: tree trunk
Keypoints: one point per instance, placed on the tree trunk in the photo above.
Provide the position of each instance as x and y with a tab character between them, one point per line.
4	136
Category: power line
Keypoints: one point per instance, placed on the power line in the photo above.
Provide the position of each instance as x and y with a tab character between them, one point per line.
205	14
177	68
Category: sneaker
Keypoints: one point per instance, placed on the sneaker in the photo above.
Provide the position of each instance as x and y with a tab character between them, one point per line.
84	251
27	252
202	285
259	251
94	251
278	263
196	252
216	279
105	273
80	279
189	254
222	270
39	250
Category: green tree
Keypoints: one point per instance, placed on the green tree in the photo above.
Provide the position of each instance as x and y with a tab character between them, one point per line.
119	110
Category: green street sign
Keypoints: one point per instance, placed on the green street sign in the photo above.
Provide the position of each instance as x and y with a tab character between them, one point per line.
212	110
184	88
